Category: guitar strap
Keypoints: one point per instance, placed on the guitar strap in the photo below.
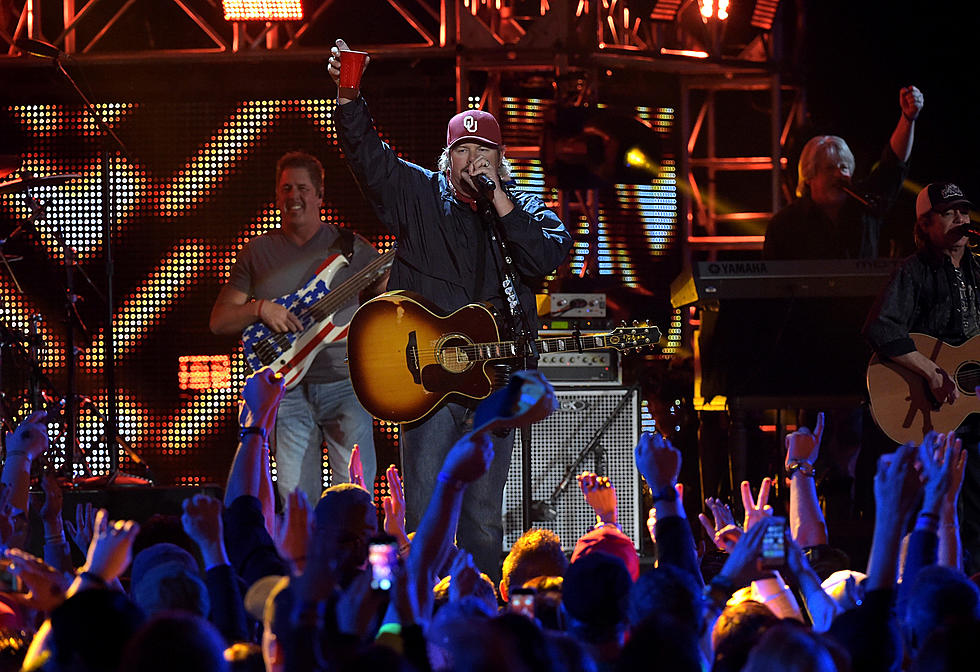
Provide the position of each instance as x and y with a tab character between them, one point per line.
345	242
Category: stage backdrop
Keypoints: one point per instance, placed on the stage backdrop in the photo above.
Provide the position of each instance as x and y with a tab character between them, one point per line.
200	184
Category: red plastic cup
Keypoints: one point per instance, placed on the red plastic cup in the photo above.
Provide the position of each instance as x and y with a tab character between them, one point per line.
351	69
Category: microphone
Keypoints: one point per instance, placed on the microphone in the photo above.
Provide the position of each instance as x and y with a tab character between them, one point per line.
37	48
485	185
870	202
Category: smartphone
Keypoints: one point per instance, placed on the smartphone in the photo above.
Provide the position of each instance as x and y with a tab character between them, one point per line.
383	558
522	601
773	555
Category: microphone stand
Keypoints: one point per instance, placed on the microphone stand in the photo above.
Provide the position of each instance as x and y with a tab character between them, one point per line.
520	326
110	424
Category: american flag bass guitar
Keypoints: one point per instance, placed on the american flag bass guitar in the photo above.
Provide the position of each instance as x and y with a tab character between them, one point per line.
291	354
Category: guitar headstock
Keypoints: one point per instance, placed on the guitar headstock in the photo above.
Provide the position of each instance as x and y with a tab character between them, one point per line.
632	337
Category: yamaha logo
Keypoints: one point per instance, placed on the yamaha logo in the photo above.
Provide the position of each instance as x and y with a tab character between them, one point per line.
469	123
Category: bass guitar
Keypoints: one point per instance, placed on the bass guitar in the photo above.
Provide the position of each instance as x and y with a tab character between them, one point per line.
406	357
902	404
292	353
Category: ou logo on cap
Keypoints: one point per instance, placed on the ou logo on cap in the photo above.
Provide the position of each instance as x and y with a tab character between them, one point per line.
469	123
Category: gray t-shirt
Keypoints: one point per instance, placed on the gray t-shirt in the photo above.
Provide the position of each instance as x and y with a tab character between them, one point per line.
272	266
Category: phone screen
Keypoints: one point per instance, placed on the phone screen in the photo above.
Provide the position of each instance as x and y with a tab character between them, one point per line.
522	602
774	544
383	557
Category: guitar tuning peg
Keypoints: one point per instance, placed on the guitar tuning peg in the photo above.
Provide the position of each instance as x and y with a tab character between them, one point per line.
635	323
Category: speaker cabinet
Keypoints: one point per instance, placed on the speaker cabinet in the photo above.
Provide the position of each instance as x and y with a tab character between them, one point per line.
558	442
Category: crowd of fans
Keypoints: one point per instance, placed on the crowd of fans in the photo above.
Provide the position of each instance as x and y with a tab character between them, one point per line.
231	585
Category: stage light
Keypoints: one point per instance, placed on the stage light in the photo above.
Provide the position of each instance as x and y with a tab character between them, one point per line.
665	10
714	9
263	10
764	14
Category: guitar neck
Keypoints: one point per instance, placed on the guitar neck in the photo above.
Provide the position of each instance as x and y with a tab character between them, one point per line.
351	287
509	349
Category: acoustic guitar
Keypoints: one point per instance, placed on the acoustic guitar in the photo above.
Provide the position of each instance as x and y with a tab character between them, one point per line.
406	357
903	405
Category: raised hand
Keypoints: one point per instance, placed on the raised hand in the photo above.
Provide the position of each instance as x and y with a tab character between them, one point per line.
355	470
465	577
293	535
333	63
896	485
658	461
202	522
935	455
260	399
599	494
756	510
83	529
721	526
394	507
111	549
803	444
30	439
911	101
468	459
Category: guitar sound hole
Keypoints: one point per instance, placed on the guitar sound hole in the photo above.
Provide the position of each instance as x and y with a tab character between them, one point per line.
452	353
968	377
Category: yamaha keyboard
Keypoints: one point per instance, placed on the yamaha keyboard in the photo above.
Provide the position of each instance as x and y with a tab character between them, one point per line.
814	278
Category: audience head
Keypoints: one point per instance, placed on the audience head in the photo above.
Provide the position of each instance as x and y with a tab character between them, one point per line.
537	552
956	647
165	577
90	629
344	520
595	594
668	590
739	627
789	647
939	596
608	539
673	645
175	641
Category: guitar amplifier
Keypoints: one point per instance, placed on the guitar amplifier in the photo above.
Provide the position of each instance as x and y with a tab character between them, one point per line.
599	367
557	442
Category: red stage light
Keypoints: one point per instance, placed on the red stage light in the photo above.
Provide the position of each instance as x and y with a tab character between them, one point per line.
263	10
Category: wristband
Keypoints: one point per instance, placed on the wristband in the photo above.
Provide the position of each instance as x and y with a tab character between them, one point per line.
17	453
668	494
450	481
245	431
601	523
258	310
804	467
347	92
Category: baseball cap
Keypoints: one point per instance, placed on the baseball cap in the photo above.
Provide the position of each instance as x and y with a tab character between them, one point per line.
939	196
607	539
474	126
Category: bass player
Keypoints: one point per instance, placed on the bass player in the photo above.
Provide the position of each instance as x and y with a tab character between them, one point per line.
322	406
